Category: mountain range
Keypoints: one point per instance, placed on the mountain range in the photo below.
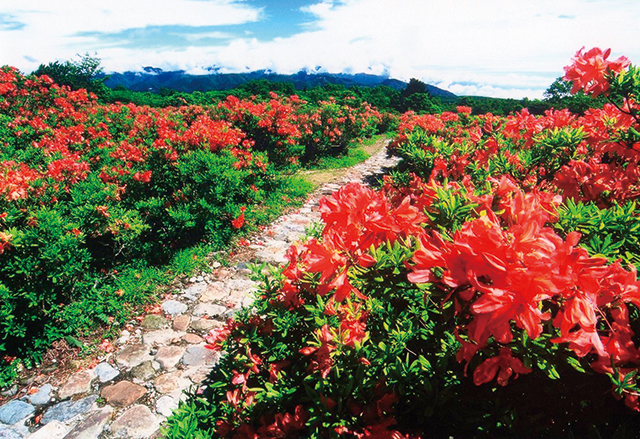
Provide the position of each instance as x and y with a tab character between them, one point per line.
154	79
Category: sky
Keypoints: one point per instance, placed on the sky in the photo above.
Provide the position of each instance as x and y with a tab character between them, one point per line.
498	48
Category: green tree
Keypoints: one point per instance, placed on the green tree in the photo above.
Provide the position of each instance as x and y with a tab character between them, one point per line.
82	73
559	95
414	86
416	97
262	88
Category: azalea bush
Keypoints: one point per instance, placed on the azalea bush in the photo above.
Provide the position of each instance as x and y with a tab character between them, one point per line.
90	193
487	289
385	327
330	127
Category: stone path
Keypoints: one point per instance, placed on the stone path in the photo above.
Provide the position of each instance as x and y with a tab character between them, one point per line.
134	388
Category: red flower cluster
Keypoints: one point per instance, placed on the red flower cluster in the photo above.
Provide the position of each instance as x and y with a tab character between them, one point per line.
588	71
16	179
511	273
356	218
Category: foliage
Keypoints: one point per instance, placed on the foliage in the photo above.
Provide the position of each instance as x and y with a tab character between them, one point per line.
612	233
481	292
94	198
82	73
371	329
559	96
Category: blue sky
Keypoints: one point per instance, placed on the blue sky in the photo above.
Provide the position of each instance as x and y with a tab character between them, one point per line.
502	48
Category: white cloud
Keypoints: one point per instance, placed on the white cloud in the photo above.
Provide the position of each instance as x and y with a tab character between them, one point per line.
502	48
517	46
57	29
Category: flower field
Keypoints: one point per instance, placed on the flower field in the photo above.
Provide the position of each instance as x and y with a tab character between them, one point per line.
93	197
489	288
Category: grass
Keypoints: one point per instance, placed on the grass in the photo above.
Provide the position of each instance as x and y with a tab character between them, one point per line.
329	169
357	152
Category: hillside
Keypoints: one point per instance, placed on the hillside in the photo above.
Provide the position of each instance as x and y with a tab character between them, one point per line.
154	79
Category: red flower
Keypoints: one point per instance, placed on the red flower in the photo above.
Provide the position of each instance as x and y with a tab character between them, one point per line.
238	222
322	361
106	346
5	241
103	210
589	69
144	177
504	365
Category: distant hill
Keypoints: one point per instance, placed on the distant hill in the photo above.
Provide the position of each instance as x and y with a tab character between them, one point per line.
154	79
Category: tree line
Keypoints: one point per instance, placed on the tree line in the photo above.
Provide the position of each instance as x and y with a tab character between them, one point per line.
85	72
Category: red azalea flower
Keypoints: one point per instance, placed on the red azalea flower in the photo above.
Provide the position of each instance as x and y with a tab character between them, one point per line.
589	69
238	222
504	365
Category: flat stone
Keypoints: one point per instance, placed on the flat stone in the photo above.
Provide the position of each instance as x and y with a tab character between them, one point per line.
106	372
170	382
160	337
204	325
194	291
68	409
76	384
53	430
154	321
215	291
277	243
91	427
125	336
181	322
15	411
293	237
136	423
20	428
42	397
132	355
199	356
144	371
197	374
223	273
166	405
241	285
240	299
299	229
173	307
272	256
123	394
192	338
208	309
9	433
169	356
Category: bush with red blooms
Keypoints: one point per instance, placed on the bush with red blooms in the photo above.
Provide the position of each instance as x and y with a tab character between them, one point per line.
483	291
87	190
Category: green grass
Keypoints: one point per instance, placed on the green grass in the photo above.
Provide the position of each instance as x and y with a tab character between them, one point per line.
357	152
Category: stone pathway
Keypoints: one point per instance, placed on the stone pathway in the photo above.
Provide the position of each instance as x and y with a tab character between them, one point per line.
134	388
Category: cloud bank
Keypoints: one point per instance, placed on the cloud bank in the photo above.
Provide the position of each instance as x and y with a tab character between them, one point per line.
497	48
